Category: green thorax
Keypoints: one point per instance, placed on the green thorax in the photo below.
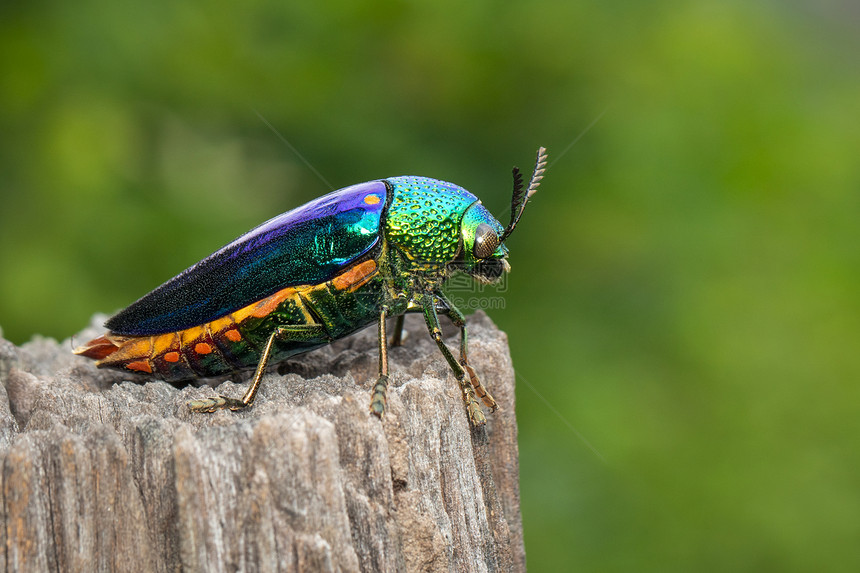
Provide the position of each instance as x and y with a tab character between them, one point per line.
423	220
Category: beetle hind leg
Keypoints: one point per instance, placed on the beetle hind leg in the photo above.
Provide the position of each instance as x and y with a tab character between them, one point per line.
297	332
209	405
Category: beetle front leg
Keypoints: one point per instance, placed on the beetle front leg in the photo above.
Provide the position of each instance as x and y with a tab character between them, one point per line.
459	320
476	416
297	332
378	397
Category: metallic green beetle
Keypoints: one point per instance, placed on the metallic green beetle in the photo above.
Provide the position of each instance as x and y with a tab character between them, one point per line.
316	274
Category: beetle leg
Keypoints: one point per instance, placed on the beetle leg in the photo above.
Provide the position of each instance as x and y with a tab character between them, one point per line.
397	339
377	398
295	332
476	416
459	320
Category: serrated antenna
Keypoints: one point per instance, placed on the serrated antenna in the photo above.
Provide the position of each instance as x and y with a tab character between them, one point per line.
521	196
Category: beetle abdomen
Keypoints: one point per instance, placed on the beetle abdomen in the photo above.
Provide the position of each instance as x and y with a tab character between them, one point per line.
212	349
235	341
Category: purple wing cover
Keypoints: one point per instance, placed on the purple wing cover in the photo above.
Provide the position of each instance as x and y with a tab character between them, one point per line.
308	245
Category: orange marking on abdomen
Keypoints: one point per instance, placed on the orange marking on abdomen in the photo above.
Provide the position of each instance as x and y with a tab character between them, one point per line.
163	342
140	366
355	277
171	357
220	324
130	350
263	307
136	347
202	348
191	335
267	305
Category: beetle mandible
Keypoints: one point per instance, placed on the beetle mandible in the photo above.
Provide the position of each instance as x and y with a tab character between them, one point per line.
316	274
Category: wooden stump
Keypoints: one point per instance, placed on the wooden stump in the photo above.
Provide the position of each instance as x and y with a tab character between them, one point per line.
102	474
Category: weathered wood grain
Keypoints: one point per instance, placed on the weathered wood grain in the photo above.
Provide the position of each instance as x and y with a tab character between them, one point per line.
98	474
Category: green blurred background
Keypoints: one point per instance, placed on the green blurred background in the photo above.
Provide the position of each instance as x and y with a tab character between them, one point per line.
685	286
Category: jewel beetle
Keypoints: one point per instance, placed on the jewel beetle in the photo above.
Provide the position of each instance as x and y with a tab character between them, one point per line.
315	274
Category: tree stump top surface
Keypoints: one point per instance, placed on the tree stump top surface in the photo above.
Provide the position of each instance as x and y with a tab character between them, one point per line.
102	473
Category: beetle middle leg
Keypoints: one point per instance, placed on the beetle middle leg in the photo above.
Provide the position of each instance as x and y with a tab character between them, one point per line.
459	320
397	339
292	332
378	397
476	416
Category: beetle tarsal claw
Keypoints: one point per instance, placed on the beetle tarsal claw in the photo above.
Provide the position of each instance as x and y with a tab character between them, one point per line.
473	409
209	405
476	416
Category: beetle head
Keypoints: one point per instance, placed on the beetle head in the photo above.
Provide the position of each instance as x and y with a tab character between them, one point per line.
484	255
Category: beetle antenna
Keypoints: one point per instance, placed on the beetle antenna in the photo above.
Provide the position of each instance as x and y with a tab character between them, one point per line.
518	192
521	197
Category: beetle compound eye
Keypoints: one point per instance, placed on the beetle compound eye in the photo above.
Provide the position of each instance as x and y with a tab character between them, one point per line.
486	241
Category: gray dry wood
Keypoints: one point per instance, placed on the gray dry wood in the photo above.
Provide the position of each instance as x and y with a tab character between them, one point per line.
99	475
